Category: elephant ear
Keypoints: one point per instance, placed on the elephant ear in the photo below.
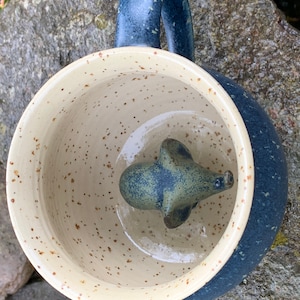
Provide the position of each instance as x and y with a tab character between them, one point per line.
177	216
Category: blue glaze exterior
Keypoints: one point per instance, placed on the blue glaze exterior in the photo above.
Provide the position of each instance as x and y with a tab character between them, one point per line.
177	19
270	194
271	182
138	24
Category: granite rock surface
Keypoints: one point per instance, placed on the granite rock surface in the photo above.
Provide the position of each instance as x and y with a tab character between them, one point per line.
247	40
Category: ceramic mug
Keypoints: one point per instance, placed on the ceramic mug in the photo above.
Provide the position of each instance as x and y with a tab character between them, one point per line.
113	108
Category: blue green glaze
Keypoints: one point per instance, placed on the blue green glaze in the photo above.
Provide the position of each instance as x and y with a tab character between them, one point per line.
174	184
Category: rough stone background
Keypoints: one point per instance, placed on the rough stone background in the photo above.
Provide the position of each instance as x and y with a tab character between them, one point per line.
247	40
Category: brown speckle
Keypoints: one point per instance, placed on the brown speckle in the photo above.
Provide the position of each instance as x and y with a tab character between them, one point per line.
16	172
77	226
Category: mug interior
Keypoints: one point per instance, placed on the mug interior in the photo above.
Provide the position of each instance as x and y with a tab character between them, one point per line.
86	125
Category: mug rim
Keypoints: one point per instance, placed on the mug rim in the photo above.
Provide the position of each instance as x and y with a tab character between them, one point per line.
218	257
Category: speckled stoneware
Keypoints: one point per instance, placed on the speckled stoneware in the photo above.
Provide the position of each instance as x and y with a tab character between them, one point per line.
85	126
112	109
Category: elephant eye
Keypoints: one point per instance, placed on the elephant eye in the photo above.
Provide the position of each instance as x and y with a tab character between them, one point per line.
219	183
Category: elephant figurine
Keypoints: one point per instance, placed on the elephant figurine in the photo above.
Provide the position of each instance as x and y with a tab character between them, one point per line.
173	184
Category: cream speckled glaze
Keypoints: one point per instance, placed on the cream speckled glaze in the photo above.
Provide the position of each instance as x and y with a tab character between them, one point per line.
85	126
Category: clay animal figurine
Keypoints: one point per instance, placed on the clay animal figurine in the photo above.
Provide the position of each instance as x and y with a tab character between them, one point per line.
174	184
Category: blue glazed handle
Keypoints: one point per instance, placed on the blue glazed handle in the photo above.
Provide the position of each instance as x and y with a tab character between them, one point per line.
138	24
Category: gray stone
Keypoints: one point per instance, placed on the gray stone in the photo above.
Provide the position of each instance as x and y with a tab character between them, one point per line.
37	290
15	269
38	38
249	41
277	277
